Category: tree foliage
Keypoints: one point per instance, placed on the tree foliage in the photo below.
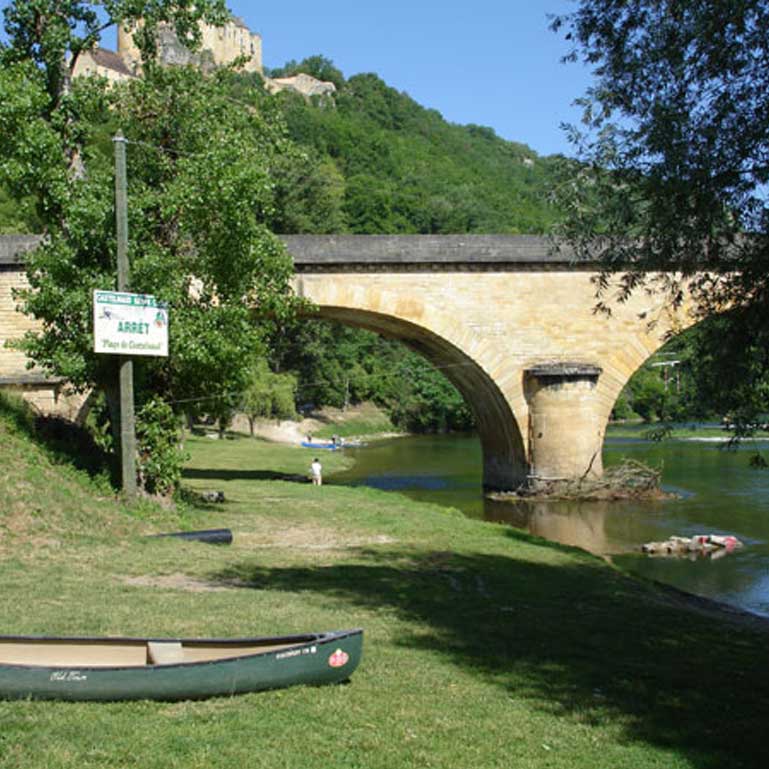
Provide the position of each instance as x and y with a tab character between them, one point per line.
200	195
675	139
403	169
337	365
268	395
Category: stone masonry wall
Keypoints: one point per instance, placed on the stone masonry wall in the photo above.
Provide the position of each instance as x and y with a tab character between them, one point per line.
13	324
221	44
46	395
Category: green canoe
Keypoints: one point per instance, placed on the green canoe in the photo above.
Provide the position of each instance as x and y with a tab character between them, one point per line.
171	669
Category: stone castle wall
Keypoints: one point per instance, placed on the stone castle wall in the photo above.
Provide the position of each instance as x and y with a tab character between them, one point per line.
102	63
220	46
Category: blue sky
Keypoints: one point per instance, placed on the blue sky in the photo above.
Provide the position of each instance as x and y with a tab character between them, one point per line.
488	62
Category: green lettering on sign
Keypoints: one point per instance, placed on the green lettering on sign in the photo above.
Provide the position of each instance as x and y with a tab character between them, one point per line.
132	327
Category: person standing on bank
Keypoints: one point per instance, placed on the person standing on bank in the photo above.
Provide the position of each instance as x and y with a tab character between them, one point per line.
316	469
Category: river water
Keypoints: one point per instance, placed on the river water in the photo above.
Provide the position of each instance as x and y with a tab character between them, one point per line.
718	493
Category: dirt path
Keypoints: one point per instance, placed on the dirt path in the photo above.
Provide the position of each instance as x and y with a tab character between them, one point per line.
286	431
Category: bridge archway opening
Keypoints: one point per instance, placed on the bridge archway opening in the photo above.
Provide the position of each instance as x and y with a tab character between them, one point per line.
667	370
504	457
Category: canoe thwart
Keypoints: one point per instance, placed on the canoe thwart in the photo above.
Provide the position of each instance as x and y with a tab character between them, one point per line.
164	652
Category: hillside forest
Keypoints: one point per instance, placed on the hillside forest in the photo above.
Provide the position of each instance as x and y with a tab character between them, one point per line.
370	160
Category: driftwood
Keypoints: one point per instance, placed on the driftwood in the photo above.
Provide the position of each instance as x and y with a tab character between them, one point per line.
712	545
629	480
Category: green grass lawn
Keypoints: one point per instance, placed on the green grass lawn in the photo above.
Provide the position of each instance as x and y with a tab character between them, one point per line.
484	647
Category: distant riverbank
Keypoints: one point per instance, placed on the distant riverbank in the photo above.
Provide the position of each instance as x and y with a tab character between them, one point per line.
369	422
663	430
363	421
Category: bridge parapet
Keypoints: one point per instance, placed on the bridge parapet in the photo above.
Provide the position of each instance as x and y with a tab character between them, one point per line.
365	253
13	248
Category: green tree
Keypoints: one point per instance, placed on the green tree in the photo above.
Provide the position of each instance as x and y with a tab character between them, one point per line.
308	195
337	365
268	395
200	194
648	395
17	216
675	141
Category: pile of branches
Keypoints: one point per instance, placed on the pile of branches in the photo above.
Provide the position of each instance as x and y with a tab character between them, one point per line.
628	480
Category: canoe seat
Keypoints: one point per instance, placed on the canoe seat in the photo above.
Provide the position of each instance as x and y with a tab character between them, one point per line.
164	653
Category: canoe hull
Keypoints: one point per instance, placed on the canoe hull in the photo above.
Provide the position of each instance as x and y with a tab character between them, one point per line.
322	658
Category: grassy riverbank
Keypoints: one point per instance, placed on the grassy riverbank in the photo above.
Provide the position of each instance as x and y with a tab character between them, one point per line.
360	421
484	647
645	430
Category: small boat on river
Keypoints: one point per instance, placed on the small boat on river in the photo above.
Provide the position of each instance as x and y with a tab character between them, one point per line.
327	446
111	669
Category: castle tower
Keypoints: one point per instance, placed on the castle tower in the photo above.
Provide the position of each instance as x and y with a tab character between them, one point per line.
127	49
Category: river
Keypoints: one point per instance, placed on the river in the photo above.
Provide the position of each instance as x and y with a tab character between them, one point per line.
718	493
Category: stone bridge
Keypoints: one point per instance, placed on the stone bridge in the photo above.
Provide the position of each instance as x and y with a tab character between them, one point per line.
509	322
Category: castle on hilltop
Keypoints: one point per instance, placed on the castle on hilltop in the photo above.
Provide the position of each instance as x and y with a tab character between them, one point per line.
220	46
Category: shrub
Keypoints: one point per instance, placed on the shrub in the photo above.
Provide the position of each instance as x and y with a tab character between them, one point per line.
160	454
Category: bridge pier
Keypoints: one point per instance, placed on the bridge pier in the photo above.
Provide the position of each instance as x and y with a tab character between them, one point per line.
565	426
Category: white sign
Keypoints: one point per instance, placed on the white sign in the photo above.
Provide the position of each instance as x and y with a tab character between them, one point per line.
129	324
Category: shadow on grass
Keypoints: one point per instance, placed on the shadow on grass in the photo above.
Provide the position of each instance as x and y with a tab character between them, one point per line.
64	442
242	475
581	642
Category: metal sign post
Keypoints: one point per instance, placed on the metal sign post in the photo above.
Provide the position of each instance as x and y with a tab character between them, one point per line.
127	416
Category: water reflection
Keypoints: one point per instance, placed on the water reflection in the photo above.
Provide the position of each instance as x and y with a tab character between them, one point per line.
570	523
717	493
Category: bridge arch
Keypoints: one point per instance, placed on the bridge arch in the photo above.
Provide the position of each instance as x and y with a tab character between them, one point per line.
619	371
505	464
513	325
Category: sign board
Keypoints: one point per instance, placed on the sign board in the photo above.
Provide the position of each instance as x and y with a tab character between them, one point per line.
129	324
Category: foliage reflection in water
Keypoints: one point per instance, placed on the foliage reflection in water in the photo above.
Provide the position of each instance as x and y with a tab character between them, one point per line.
718	494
